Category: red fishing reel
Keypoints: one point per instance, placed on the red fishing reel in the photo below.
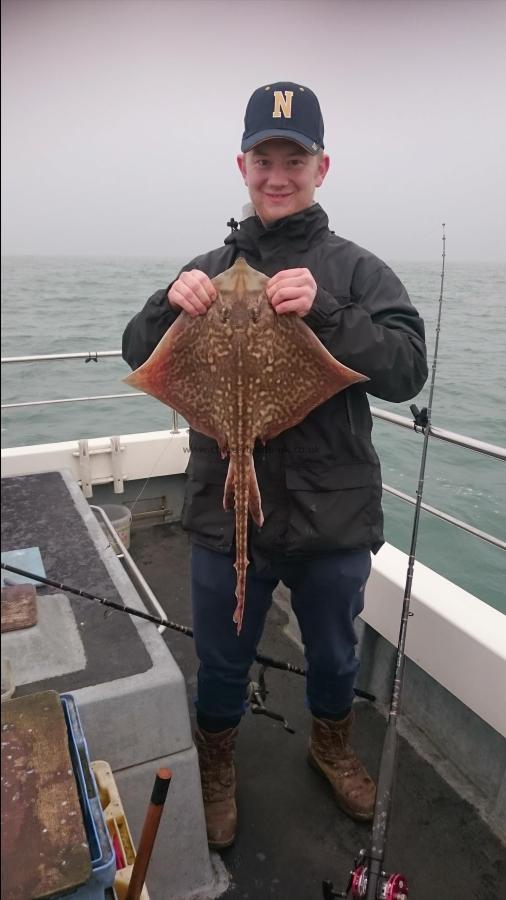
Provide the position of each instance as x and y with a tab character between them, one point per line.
390	887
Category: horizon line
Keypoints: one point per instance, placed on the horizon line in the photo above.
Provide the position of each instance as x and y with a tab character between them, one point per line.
152	256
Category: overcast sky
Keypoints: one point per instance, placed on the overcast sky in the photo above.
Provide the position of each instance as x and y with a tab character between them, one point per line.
122	120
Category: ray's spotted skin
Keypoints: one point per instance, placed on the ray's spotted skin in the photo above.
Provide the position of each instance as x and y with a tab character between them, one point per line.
238	373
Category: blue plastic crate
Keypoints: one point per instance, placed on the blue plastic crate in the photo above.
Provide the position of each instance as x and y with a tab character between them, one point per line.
103	862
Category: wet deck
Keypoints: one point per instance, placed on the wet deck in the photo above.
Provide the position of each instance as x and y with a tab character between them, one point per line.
291	835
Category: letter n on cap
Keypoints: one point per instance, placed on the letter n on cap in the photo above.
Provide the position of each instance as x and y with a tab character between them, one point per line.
282	104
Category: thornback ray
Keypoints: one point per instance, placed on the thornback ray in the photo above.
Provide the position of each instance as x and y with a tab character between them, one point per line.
239	373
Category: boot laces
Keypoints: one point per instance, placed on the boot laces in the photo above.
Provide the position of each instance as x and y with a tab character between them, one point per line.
338	754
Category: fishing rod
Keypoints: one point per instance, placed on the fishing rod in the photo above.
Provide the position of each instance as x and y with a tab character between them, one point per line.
368	879
257	692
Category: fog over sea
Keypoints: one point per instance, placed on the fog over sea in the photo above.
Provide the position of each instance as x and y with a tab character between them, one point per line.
79	304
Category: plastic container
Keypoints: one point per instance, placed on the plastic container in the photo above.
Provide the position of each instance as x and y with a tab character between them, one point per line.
8	683
118	829
103	864
121	520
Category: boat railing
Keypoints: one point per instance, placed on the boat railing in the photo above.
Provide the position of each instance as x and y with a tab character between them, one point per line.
482	447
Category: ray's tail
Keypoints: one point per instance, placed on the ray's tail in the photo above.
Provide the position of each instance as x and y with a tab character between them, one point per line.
241	491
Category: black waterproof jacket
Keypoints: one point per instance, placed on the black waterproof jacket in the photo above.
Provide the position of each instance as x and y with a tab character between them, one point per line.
320	482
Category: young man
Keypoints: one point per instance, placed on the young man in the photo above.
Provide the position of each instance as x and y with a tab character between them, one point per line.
320	482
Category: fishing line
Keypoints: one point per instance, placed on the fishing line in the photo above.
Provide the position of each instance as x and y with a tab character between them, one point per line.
148	479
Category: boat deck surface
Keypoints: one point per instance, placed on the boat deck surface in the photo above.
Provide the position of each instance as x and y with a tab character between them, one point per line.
291	835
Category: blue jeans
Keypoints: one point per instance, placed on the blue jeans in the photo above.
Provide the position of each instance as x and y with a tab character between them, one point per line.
327	595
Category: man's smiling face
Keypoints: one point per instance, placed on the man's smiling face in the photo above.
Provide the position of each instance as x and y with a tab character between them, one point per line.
281	178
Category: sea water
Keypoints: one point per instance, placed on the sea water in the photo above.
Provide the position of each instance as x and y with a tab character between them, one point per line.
67	304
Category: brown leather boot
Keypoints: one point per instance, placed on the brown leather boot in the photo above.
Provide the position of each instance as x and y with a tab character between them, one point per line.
217	774
331	755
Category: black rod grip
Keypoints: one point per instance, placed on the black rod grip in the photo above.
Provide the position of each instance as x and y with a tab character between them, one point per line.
161	786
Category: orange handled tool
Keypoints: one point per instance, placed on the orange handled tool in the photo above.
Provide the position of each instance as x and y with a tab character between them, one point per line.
149	831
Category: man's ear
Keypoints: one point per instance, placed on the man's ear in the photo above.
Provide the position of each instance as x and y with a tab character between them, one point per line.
323	167
241	162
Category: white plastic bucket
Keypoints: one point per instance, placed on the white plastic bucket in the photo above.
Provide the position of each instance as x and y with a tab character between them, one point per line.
120	518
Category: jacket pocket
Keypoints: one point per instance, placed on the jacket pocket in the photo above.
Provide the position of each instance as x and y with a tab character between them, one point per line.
335	478
205	465
333	508
203	514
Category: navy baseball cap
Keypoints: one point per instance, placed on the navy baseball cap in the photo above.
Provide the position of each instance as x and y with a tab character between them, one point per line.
283	110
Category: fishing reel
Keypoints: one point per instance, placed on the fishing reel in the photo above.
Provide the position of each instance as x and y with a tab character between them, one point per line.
389	887
257	694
